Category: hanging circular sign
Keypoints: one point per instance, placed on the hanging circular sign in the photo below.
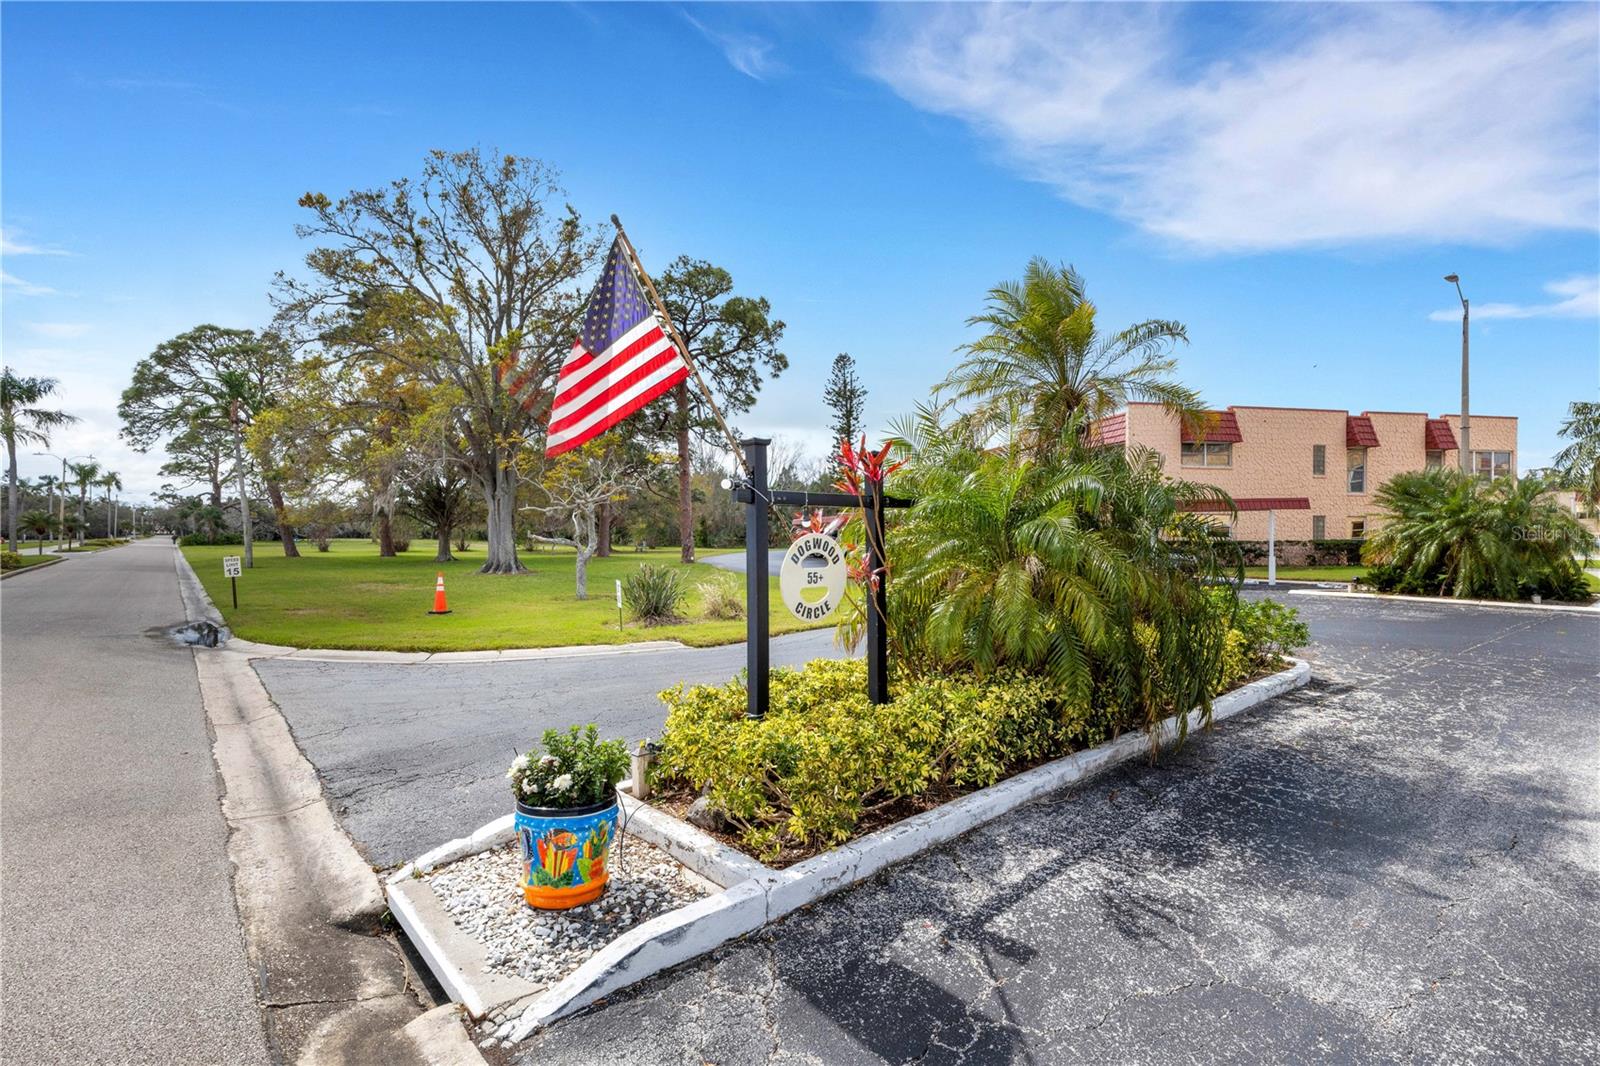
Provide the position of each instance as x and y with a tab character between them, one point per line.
812	578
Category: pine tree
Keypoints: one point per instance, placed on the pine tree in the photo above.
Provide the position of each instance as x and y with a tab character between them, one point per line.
846	398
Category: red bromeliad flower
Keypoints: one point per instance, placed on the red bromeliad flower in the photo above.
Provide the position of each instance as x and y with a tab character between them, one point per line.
863	467
817	523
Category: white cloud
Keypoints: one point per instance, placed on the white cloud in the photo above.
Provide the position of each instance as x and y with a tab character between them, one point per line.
12	244
60	331
747	53
1579	298
1322	126
21	287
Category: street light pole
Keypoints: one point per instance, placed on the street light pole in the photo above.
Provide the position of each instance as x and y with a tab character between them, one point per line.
1466	416
62	520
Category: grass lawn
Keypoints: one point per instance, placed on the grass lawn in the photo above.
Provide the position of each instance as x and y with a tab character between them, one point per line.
31	560
348	597
1310	573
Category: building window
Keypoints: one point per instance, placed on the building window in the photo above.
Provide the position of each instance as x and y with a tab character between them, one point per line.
1201	454
1319	459
1319	525
1435	459
1356	463
1358	528
1491	464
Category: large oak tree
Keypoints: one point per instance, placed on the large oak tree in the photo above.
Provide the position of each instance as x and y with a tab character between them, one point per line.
477	259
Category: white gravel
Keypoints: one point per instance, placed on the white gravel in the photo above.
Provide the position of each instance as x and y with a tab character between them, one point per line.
481	895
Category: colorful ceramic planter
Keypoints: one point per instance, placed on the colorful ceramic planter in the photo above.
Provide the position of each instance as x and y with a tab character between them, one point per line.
564	853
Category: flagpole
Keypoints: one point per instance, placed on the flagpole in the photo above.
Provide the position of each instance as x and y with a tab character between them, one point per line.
683	349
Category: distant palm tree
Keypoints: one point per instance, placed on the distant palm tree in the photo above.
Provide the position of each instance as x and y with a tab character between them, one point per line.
71	528
39	524
108	481
23	422
87	475
1043	359
1579	462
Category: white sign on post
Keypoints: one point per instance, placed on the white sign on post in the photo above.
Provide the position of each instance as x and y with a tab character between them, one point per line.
230	566
812	577
619	595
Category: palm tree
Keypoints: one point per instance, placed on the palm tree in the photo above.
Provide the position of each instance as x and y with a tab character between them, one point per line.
1043	359
108	481
88	476
23	422
1081	564
38	523
1579	462
71	528
1452	534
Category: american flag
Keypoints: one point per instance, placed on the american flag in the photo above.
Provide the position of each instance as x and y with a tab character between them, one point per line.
621	360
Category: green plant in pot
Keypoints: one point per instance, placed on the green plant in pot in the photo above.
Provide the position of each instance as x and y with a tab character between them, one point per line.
566	815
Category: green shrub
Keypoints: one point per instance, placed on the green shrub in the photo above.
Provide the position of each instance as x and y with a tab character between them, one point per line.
1270	630
190	540
654	594
721	600
10	560
824	756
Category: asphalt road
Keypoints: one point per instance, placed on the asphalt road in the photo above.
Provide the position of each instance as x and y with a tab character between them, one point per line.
121	941
1401	863
412	755
735	561
1398	864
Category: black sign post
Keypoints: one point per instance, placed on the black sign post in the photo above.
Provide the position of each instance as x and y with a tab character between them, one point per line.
758	498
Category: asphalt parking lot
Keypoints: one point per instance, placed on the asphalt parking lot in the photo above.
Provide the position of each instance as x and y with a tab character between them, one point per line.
1399	863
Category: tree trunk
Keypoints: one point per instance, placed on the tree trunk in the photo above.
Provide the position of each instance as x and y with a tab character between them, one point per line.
281	513
500	503
443	554
11	497
244	499
685	491
602	546
385	536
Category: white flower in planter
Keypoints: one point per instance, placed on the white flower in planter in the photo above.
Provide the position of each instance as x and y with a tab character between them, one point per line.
562	783
549	760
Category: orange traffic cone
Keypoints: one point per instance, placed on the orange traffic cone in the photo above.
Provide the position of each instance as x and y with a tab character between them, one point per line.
439	605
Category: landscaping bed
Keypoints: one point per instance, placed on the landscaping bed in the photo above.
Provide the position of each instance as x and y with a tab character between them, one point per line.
481	895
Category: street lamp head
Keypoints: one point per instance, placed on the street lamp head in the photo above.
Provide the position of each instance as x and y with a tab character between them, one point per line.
1452	278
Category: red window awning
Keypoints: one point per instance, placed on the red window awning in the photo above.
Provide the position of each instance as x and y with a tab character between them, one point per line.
1358	432
1252	503
1113	429
1439	437
1221	427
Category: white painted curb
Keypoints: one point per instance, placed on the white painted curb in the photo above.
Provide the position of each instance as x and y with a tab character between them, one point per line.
1505	605
753	894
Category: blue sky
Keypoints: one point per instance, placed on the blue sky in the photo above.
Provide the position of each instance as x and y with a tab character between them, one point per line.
1289	181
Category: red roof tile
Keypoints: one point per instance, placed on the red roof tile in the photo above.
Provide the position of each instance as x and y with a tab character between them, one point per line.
1439	437
1222	427
1253	503
1358	432
1113	429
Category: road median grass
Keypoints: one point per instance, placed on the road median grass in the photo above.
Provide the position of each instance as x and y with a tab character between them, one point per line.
349	597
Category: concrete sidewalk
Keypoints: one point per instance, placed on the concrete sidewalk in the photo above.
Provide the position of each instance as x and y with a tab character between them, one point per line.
122	943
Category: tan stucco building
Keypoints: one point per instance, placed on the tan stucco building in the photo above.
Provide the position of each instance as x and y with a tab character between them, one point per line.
1315	469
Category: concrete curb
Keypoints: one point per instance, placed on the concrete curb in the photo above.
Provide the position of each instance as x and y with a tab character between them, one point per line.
417	658
753	894
47	564
1506	605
